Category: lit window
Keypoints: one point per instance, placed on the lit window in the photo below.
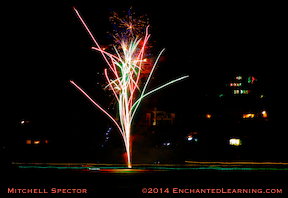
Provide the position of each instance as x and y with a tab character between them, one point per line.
36	142
238	77
208	115
22	122
235	84
235	142
251	79
236	92
190	137
248	115
28	141
244	91
264	114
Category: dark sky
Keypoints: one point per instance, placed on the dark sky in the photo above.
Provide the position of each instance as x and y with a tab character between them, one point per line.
48	46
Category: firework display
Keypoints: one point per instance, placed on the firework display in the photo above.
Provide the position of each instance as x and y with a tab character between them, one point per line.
128	27
124	71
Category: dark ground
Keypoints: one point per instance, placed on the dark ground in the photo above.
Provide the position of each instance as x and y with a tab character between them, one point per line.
132	183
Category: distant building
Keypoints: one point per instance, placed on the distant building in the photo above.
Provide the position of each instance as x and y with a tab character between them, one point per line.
37	141
31	135
237	112
240	86
159	118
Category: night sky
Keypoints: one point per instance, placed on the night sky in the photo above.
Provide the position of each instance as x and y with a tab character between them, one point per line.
48	46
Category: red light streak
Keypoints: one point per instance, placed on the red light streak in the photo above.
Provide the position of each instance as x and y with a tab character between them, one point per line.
127	68
97	105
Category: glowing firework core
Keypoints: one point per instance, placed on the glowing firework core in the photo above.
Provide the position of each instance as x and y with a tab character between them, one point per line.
125	67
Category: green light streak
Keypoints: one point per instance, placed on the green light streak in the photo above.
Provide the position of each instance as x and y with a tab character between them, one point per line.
217	168
137	102
53	167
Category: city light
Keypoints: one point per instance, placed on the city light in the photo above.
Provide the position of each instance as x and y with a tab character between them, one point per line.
248	115
244	91
235	84
208	116
251	79
234	142
23	122
238	77
236	92
36	142
264	114
190	137
241	91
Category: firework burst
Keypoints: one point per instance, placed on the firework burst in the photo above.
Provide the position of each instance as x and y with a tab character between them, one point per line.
128	27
